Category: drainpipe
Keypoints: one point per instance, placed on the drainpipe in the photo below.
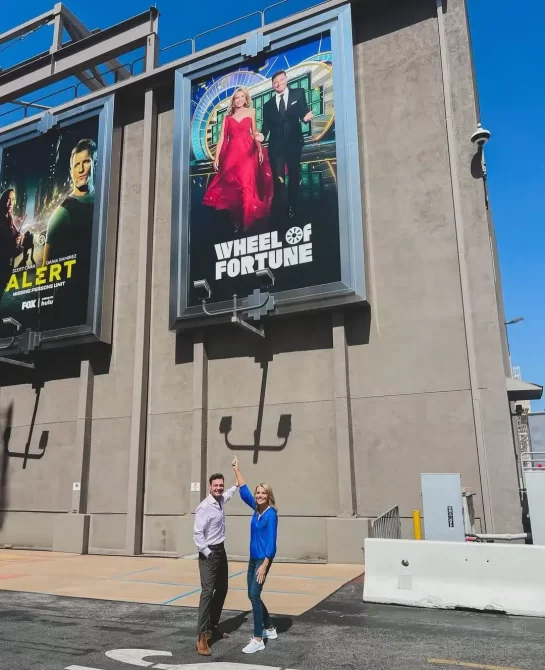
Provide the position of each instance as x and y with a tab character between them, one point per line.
464	276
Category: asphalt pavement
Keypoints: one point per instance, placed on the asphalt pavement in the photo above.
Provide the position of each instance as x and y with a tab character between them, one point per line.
45	632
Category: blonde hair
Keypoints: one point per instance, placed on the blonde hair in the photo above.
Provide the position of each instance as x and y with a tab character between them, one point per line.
247	103
270	495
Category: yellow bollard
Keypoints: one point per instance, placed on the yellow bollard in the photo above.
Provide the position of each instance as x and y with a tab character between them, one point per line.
417	525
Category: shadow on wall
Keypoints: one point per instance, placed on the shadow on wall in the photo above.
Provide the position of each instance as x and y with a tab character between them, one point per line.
308	331
373	20
477	171
7	422
283	431
67	365
52	365
44	437
304	332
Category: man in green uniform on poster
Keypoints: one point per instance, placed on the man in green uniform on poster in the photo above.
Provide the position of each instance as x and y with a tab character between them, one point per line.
73	219
69	233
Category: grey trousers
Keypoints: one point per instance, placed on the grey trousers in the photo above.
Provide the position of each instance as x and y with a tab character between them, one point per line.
214	583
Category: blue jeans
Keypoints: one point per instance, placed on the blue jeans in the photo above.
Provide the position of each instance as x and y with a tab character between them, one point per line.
261	614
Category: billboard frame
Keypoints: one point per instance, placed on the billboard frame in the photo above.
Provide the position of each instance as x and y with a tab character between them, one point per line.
98	325
352	286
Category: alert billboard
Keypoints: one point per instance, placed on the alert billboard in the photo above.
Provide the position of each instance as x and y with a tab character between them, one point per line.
53	193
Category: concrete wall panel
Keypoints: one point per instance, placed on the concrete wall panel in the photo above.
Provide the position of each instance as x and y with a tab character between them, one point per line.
303	474
109	466
57	401
107	533
44	484
417	336
300	364
168	463
171	379
161	534
397	438
31	530
113	391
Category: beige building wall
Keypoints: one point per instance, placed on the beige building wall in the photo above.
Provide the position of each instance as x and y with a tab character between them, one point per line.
374	397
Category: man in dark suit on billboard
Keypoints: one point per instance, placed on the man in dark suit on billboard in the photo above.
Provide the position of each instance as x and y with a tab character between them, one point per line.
282	116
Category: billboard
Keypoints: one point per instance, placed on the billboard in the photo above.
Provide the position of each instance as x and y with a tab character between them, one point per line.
51	214
265	177
269	203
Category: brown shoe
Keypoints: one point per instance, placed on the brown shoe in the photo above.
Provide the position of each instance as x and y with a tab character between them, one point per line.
202	645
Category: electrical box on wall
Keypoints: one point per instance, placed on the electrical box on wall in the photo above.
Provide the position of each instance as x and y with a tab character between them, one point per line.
443	507
535	489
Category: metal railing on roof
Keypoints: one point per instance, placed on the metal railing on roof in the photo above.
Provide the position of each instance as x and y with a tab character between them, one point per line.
26	107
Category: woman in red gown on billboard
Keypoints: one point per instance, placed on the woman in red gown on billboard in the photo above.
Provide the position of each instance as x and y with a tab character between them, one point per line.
243	184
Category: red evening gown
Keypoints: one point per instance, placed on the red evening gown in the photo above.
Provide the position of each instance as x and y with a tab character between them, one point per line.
242	185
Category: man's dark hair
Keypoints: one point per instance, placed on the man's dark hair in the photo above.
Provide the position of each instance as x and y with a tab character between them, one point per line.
218	475
4	203
85	145
277	74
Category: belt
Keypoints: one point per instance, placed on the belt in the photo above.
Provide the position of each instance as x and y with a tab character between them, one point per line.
216	546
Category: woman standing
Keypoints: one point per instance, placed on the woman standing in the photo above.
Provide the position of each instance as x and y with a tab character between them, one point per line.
263	532
10	238
243	183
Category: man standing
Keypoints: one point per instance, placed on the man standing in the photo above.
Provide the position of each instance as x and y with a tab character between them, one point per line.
282	116
209	536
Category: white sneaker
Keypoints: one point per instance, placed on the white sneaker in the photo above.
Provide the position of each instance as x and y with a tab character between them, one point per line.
269	634
253	646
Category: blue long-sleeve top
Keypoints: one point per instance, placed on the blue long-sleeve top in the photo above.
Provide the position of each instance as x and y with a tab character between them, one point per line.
263	528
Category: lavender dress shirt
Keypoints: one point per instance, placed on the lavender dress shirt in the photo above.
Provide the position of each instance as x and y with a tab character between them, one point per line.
209	526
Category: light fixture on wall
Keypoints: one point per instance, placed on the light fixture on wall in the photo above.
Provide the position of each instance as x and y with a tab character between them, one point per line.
24	343
259	303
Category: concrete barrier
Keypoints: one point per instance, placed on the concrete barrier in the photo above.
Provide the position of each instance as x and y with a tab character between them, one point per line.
449	575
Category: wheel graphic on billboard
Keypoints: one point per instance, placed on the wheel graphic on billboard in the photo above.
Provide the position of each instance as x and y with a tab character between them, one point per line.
294	235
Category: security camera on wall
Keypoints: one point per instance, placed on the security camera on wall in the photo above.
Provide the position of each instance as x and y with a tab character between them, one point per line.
480	136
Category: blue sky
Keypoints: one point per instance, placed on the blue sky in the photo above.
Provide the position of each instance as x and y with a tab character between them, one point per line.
509	56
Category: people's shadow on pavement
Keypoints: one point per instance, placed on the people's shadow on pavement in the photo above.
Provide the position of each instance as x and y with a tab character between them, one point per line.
282	623
229	626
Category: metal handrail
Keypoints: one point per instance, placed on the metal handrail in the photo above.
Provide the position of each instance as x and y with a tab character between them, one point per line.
263	22
192	40
224	25
387	526
529	460
177	44
25	105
